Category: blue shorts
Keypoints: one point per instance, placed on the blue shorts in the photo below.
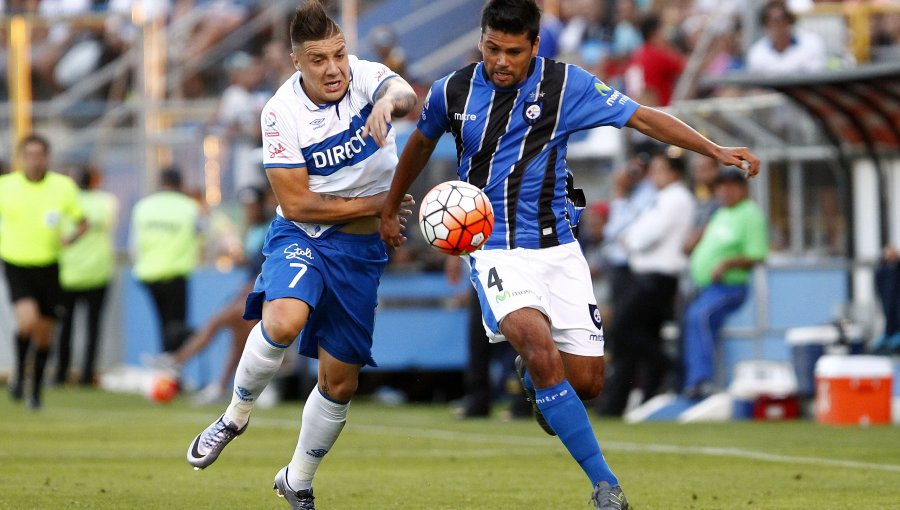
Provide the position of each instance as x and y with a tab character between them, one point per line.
337	275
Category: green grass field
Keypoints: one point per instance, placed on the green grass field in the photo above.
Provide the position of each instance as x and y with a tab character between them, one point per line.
89	449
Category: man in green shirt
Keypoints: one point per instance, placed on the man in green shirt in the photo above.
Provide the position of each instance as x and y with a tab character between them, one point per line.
735	239
165	246
34	205
86	268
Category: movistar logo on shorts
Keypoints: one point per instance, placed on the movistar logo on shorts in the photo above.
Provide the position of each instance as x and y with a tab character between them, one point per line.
602	88
515	293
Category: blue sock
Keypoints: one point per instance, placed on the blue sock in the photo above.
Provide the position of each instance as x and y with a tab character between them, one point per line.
564	412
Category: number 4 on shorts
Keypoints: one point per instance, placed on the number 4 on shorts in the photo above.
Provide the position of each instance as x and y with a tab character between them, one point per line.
493	279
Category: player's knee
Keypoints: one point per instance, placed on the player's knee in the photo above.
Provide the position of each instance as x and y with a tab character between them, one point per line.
588	389
281	329
283	319
339	390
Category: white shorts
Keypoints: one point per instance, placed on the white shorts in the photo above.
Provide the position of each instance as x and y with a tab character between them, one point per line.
556	281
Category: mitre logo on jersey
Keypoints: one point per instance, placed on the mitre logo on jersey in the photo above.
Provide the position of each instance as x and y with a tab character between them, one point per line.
465	116
532	111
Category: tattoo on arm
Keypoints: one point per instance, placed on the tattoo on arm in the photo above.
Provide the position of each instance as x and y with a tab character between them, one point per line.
401	97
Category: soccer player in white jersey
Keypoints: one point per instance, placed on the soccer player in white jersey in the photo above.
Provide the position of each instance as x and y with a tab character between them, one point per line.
511	116
329	155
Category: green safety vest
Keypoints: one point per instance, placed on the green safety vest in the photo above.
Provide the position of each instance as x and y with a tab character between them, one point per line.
89	262
164	236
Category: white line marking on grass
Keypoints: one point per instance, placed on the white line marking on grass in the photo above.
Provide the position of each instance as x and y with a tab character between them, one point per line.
474	437
624	446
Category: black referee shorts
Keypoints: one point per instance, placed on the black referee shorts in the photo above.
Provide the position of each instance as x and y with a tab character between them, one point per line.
40	283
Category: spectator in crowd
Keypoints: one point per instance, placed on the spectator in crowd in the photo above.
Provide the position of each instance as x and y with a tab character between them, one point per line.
733	242
277	63
655	67
656	258
34	205
587	35
86	268
208	22
551	28
784	49
383	39
590	235
165	247
704	172
258	213
887	286
237	117
633	193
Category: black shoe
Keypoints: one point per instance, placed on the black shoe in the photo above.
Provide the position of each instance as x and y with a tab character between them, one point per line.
15	391
538	415
33	402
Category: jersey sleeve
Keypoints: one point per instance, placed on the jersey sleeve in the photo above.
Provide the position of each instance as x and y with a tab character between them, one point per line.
592	103
370	76
434	122
281	140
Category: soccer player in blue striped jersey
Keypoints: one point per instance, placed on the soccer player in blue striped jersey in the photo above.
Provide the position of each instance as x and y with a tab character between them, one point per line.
511	116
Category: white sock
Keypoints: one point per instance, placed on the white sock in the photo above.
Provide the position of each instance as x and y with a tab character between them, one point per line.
260	362
323	420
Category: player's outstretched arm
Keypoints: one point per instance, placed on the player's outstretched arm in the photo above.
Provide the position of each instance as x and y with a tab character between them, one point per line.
395	98
413	159
668	129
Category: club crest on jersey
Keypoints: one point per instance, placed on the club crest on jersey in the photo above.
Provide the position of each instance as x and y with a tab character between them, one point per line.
271	122
532	111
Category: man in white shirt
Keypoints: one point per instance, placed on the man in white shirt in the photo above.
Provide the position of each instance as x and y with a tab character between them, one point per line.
784	49
654	243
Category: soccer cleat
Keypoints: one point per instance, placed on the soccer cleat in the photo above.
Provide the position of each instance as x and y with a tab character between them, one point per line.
206	447
606	497
529	394
299	500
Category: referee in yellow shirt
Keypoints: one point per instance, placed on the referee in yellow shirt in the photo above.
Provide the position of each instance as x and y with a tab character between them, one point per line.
33	204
